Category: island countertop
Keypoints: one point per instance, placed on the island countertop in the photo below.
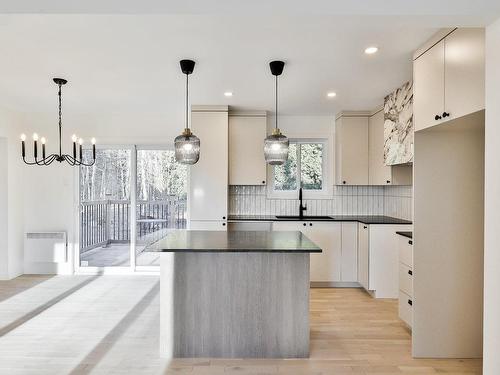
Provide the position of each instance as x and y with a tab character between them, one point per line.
199	241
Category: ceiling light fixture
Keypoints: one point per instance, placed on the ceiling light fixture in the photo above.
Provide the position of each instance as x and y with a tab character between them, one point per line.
276	145
371	50
331	94
228	94
60	157
187	145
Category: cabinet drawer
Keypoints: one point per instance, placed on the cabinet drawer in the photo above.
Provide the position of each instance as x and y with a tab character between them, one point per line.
406	250
406	308
406	279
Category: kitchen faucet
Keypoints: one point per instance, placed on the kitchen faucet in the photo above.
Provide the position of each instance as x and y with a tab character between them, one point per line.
302	208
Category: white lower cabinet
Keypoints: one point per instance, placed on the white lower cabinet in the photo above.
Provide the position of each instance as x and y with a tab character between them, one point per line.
208	225
338	261
349	252
363	255
406	308
378	258
405	246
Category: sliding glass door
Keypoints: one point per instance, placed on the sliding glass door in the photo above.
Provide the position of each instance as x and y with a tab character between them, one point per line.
105	209
129	199
161	200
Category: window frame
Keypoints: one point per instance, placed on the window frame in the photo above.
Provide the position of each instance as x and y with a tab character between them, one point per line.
325	191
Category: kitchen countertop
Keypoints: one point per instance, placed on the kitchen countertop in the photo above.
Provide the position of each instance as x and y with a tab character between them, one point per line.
366	219
406	234
234	242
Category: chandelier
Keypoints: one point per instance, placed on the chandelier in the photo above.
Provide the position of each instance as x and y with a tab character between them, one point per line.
60	157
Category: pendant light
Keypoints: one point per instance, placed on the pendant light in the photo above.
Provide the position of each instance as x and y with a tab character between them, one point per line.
187	145
73	160
276	145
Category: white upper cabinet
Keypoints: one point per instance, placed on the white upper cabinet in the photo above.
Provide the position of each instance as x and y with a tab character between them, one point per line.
209	177
351	150
378	172
247	132
428	87
464	72
449	78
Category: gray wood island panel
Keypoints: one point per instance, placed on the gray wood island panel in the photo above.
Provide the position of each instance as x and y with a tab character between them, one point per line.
231	304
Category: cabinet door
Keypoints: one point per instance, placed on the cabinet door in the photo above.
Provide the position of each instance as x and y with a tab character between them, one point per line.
247	165
208	178
464	72
428	86
208	225
325	266
351	139
363	255
349	263
378	172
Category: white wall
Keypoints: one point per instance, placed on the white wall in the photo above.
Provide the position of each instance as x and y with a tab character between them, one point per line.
11	251
491	365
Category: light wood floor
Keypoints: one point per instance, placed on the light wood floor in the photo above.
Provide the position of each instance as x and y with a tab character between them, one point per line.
109	325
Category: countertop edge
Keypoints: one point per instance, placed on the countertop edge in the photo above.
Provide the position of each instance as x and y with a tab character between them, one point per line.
363	220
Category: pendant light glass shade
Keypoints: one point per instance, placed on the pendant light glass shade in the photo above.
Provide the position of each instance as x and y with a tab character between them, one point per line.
187	148
276	145
187	145
276	148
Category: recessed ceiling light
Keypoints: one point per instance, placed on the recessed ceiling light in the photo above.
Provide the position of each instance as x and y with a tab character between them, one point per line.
331	94
228	93
371	50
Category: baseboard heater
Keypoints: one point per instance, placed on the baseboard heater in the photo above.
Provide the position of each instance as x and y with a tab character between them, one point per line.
45	247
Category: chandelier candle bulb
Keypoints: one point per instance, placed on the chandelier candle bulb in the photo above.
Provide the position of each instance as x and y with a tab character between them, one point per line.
80	143
93	148
23	147
43	140
35	146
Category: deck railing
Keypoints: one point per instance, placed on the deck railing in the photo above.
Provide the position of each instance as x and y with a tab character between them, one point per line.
108	221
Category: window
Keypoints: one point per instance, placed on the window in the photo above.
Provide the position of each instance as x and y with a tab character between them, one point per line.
304	168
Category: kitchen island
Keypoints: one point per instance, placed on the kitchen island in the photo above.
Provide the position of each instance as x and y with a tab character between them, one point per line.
234	294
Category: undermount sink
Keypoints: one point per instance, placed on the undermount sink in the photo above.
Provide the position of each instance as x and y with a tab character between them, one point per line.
297	217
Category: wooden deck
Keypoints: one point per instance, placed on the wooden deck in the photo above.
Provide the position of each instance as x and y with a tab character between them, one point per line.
110	325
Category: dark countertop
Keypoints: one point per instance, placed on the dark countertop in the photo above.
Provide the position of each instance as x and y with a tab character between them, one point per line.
370	219
234	242
406	234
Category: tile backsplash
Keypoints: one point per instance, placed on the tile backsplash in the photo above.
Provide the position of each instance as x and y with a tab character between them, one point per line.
395	201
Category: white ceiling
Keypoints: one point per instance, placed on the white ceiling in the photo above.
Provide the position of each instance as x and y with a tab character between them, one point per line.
129	63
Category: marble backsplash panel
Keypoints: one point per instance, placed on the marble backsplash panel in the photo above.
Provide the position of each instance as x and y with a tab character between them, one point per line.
395	201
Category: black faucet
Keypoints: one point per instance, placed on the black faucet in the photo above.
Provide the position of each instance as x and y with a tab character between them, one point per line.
301	207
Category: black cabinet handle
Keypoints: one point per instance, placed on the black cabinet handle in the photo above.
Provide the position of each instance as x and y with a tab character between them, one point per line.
410	272
310	224
445	114
410	242
343	182
304	224
388	181
263	182
365	227
410	302
437	117
223	218
223	224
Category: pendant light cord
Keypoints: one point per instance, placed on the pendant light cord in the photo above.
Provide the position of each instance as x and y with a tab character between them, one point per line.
187	101
60	121
276	115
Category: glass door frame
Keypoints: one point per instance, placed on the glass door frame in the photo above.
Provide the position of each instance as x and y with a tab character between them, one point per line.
132	267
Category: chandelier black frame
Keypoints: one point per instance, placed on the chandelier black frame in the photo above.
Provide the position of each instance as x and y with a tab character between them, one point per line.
72	160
